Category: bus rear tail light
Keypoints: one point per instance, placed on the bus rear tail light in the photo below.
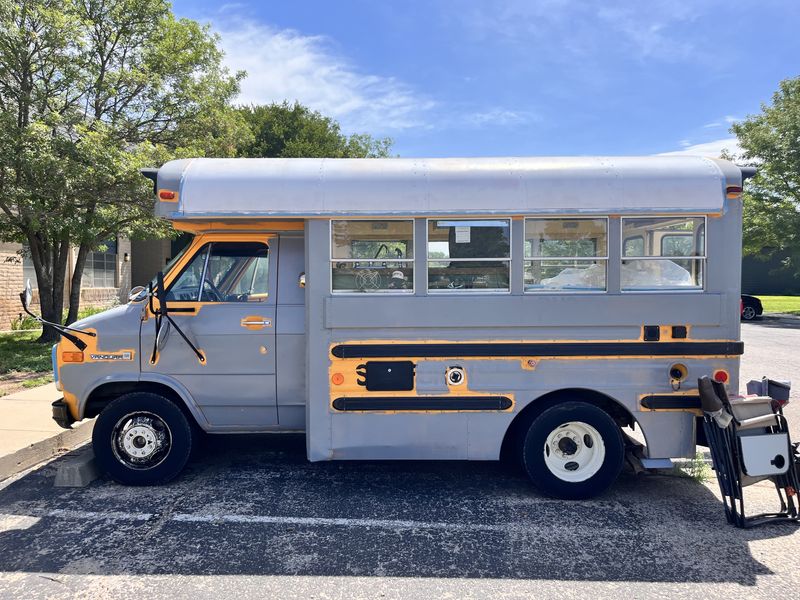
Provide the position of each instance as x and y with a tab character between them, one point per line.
721	376
167	195
72	357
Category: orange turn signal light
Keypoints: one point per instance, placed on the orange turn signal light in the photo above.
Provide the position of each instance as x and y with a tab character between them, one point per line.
733	190
168	195
72	357
337	379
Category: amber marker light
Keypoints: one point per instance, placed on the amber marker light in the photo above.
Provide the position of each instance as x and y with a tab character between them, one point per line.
72	357
337	379
733	191
167	195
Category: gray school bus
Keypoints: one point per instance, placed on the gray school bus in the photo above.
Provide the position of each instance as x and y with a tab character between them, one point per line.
548	309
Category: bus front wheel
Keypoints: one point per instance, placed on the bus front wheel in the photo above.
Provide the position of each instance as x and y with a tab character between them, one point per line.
573	450
142	439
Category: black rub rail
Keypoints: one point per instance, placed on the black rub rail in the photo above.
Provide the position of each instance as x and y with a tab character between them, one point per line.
671	402
590	349
400	403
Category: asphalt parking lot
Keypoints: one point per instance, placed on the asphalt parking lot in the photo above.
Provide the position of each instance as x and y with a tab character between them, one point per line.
251	517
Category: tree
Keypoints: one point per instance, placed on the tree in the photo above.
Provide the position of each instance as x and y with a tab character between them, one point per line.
771	141
293	131
90	91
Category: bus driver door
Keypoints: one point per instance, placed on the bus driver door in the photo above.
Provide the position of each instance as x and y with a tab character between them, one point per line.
223	299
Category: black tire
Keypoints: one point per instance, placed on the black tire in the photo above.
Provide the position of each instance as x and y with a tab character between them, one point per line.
549	422
152	414
749	313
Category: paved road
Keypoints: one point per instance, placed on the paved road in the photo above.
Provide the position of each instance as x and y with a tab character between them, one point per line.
772	348
252	518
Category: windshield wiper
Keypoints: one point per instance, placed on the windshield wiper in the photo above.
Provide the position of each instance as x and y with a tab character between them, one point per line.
162	312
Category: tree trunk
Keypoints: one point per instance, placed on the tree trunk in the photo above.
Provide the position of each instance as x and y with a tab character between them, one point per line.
50	263
75	285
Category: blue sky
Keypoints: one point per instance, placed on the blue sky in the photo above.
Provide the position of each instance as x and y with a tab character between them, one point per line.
516	77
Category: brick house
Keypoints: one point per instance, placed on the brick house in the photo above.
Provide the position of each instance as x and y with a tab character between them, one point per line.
106	277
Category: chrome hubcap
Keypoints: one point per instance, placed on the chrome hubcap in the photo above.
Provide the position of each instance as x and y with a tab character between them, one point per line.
141	440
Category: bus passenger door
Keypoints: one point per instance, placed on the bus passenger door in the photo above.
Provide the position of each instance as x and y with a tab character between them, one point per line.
224	301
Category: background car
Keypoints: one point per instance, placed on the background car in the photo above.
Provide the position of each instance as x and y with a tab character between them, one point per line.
751	307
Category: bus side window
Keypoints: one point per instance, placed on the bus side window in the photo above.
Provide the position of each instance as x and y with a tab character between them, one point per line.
669	260
372	256
469	254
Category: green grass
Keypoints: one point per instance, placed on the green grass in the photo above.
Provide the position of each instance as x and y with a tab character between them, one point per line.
26	322
696	468
21	352
37	381
781	304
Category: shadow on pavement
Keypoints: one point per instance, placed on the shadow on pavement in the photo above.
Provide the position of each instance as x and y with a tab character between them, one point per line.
775	322
254	505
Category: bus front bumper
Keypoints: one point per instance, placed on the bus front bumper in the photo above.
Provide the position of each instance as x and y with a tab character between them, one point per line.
61	414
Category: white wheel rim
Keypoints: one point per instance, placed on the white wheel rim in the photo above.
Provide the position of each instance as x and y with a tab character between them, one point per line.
574	451
749	312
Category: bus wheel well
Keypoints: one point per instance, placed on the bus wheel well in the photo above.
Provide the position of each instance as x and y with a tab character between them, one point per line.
523	420
102	395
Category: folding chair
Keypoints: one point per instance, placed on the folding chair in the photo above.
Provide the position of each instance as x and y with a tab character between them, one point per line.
749	442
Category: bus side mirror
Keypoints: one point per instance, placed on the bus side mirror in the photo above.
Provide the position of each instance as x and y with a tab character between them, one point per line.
163	334
301	281
27	295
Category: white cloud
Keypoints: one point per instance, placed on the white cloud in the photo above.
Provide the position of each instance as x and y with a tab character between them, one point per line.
498	117
712	149
284	64
726	120
585	29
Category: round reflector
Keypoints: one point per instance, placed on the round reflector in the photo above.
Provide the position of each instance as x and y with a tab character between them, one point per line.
721	376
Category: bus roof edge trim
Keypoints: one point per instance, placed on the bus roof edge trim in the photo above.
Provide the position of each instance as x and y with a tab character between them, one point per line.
311	187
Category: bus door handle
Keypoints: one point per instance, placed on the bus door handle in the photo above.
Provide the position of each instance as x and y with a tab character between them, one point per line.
256	322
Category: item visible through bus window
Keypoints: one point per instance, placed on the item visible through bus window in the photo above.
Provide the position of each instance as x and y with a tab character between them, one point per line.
566	254
469	255
370	256
663	253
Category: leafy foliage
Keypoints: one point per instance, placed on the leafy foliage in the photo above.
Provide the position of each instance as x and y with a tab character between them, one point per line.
295	131
90	92
771	141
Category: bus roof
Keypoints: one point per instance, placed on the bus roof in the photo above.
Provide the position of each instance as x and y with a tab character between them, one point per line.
312	187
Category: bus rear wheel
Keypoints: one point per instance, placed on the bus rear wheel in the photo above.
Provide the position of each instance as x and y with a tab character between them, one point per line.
142	439
573	451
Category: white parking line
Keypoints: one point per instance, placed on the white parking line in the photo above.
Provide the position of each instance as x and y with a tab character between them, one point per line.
395	524
515	527
88	515
336	522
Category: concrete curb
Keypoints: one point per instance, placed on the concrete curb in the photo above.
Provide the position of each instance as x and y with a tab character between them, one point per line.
34	454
